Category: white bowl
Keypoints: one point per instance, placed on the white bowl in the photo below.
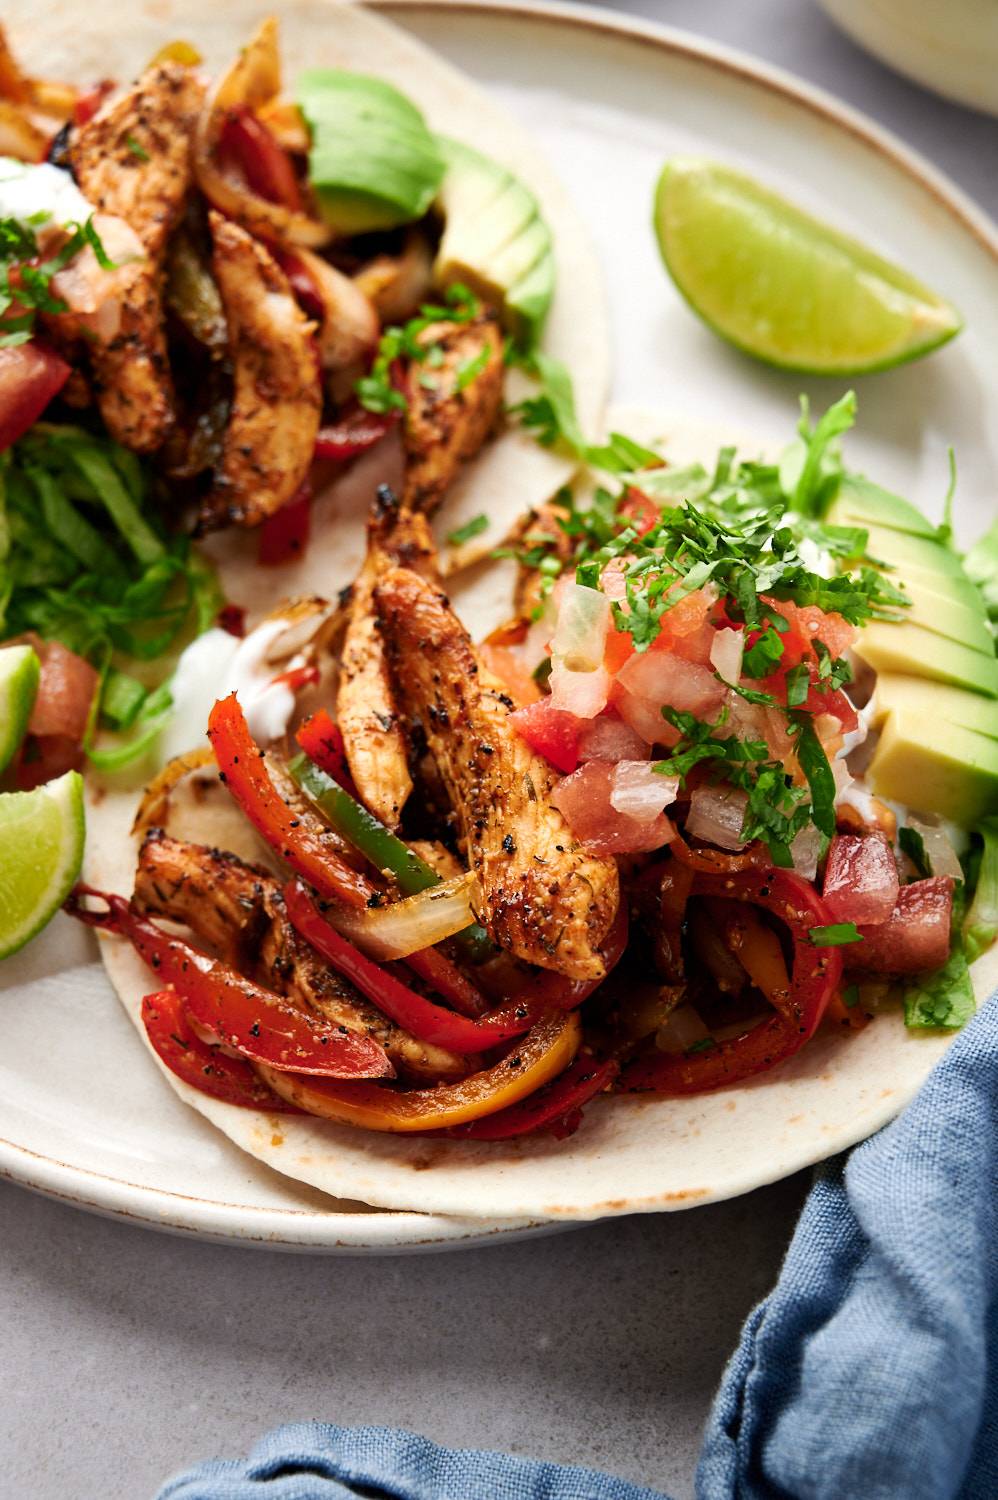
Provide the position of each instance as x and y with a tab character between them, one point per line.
947	45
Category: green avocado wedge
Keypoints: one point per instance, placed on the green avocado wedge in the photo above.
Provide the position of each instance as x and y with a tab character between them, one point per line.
784	287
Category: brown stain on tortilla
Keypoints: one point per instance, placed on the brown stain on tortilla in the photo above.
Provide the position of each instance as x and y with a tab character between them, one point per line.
625	1205
277	1139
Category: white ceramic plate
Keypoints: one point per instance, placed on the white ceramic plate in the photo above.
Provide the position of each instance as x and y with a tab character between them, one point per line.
83	1114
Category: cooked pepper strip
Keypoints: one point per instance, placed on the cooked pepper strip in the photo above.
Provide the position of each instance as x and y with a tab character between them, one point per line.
243	1015
266	166
757	949
322	742
207	1069
352	821
543	1054
542	993
816	975
240	762
556	1108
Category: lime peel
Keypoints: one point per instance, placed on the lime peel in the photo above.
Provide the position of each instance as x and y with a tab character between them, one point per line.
20	671
41	849
782	285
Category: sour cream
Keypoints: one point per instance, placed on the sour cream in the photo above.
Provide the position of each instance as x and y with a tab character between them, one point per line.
41	194
217	664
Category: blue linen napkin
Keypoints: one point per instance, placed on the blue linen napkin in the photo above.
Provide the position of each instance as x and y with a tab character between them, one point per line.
863	1376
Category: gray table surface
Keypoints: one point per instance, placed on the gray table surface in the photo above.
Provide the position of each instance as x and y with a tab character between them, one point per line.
126	1355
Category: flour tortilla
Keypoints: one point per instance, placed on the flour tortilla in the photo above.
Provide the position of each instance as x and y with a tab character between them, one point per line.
631	1154
512	472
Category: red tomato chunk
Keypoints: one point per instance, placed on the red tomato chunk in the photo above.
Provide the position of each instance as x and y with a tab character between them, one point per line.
916	936
861	879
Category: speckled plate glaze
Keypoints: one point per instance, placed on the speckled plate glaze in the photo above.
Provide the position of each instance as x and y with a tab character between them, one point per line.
84	1115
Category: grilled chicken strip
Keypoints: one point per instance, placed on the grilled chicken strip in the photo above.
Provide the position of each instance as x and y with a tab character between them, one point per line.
237	910
375	744
547	899
446	425
277	400
133	161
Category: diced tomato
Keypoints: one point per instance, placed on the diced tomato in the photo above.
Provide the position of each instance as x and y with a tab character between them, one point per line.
232	618
30	375
639	510
44	757
861	879
819	700
66	691
619	647
608	737
686	628
506	663
583	799
916	936
551	732
353	432
267	167
652	679
284	535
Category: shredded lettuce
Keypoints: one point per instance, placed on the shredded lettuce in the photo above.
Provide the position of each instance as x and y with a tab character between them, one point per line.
943	999
980	925
84	560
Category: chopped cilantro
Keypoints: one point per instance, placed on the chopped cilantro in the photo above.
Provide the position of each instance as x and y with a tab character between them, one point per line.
552	418
913	845
705	1044
376	391
765	656
468	531
472	368
836	935
850	996
798	684
25	280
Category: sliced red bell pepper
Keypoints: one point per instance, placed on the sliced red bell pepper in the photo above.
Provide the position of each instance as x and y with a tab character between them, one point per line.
557	1107
205	1068
283	536
450	983
241	764
30	375
89	102
265	164
322	741
815	977
243	1015
543	992
307	293
354	431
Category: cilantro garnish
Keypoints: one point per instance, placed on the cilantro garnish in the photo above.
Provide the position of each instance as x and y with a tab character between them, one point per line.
471	369
25	279
376	390
836	935
468	531
552	418
912	844
136	149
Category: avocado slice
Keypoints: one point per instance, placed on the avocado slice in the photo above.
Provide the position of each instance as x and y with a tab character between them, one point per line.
863	503
952	771
373	162
947	615
910	648
495	239
933	702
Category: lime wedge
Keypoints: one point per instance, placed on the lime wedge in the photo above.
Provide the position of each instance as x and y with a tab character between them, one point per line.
19	672
41	847
785	287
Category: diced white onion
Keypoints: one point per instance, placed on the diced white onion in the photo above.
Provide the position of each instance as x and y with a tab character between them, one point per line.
404	927
580	634
584	694
938	846
726	654
716	815
638	791
805	850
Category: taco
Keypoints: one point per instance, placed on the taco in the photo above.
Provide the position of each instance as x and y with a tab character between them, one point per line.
661	865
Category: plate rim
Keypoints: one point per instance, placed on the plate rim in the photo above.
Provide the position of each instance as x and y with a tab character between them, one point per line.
378	1232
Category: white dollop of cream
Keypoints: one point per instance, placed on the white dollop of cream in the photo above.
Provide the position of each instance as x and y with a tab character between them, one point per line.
217	664
40	194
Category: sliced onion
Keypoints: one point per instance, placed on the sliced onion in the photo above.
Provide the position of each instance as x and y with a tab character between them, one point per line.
683	1028
349	329
19	137
638	791
716	816
609	738
397	284
657	678
726	654
253	80
404	927
156	797
939	849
